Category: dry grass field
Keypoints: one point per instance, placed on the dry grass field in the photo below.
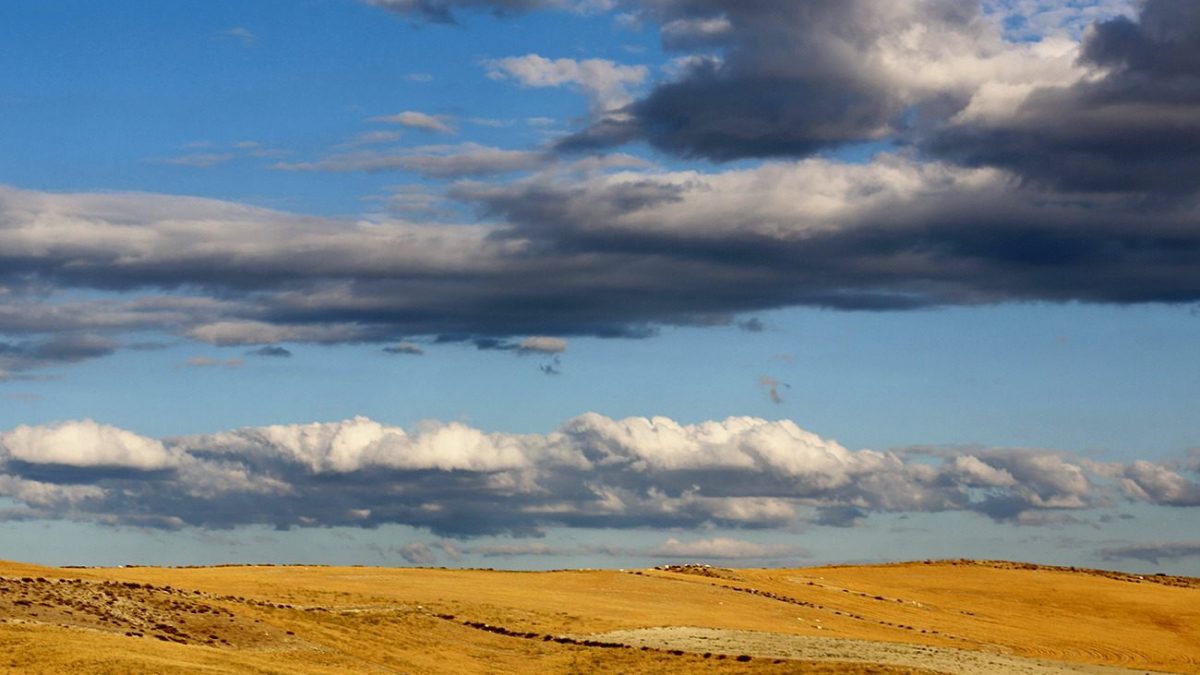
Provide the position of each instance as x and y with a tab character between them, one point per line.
947	616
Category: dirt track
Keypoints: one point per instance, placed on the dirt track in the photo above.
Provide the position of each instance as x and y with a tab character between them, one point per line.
775	645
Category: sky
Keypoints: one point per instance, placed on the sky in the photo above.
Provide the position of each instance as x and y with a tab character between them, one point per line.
600	283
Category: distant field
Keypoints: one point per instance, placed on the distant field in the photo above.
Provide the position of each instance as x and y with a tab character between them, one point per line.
946	616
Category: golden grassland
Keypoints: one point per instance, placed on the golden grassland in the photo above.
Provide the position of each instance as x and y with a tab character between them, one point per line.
313	619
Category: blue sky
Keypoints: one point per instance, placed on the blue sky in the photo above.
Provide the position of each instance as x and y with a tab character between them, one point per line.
821	308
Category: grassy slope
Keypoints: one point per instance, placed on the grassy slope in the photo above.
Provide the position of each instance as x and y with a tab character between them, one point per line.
384	620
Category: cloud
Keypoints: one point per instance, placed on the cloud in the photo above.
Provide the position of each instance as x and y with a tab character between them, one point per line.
512	550
408	348
257	149
752	325
241	34
417	553
54	350
84	444
542	345
840	516
219	155
1157	484
209	362
722	548
876	235
417	120
597	248
272	351
772	385
443	11
43	497
1133	125
434	161
1153	552
593	471
602	252
248	332
760	79
892	234
981	84
1032	20
200	160
606	83
374	138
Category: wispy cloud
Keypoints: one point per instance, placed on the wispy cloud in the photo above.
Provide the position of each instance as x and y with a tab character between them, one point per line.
607	84
241	34
1153	553
271	351
404	348
218	154
374	138
210	362
435	161
444	11
723	548
773	387
418	120
202	160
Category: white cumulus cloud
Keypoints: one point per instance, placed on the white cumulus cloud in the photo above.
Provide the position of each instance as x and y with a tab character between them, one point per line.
607	84
85	444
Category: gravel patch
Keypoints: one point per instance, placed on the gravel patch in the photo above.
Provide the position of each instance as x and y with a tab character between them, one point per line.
803	648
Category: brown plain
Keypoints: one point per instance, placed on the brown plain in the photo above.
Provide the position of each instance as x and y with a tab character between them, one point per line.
312	619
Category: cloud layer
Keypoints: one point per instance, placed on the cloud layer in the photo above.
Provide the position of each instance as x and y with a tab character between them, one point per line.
608	254
1055	169
593	471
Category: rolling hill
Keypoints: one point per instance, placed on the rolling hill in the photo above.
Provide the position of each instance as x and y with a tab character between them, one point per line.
920	617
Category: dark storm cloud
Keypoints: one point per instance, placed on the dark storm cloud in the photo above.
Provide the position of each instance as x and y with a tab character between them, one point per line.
1135	128
593	471
763	78
786	83
769	79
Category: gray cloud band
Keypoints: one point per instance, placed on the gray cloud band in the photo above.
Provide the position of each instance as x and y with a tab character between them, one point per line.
611	254
592	472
